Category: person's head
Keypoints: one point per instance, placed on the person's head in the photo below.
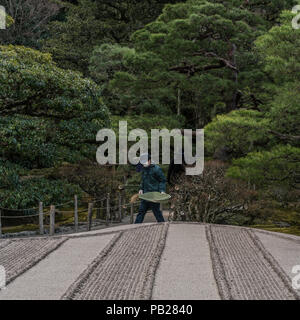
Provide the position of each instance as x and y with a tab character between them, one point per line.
145	159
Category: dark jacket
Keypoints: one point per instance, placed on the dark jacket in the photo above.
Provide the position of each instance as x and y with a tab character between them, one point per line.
153	179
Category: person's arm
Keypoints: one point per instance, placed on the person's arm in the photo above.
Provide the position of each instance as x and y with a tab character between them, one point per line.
161	179
141	190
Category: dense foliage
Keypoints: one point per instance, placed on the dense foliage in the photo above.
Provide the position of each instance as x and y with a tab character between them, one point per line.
272	141
231	67
88	23
192	48
48	116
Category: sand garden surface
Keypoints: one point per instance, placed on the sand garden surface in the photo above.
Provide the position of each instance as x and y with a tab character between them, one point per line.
188	261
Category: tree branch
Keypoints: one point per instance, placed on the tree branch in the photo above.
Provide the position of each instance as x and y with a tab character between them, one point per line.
285	137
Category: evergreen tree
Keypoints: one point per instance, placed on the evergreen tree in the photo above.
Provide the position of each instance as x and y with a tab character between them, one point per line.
89	23
48	116
278	162
195	60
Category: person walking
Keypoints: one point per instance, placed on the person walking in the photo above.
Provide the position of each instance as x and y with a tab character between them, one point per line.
153	179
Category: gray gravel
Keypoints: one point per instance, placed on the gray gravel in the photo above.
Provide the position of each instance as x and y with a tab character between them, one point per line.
285	251
185	269
125	270
50	279
244	269
152	261
20	255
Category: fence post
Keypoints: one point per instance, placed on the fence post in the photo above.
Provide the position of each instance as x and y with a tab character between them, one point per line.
120	206
0	225
76	213
131	212
52	220
107	208
112	211
124	212
98	212
90	214
41	218
102	209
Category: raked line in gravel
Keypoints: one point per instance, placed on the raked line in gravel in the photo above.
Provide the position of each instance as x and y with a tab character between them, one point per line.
187	261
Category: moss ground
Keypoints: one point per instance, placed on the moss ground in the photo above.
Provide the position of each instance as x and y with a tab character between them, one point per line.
285	216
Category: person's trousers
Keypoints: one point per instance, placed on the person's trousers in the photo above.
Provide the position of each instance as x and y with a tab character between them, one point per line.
147	205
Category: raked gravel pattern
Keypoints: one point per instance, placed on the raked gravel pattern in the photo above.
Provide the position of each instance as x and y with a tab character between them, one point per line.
243	268
4	243
125	269
127	265
20	255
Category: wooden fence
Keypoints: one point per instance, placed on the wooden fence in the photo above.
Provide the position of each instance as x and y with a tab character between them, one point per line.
105	207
